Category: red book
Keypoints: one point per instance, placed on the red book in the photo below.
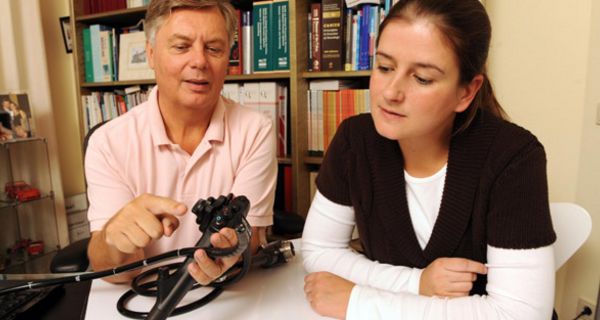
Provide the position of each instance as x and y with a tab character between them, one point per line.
235	55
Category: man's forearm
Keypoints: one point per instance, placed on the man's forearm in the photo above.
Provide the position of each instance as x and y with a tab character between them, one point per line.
102	256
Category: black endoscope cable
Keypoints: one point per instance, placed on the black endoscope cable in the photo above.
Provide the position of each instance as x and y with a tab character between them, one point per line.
183	252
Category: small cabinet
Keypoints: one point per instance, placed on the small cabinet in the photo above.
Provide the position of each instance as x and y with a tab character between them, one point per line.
29	235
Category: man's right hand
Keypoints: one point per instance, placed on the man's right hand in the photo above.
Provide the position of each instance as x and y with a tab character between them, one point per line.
450	277
145	218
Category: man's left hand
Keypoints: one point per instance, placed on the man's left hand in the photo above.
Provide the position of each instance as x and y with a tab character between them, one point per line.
328	294
205	270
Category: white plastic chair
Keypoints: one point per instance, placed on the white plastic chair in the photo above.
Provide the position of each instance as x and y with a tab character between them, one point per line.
572	225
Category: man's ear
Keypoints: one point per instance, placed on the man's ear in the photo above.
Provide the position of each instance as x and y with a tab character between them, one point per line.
467	93
150	55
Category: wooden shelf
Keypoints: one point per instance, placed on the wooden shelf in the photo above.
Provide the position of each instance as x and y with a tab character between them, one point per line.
118	83
313	160
21	140
258	76
7	203
336	74
287	161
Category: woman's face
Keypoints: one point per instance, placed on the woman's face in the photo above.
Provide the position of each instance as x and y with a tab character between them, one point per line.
414	86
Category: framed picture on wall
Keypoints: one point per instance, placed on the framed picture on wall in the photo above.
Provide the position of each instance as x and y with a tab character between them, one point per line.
65	27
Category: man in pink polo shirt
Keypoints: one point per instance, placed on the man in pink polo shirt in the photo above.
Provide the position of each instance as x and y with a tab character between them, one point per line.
147	168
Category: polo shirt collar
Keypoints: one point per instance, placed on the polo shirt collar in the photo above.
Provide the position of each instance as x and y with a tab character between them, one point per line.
215	131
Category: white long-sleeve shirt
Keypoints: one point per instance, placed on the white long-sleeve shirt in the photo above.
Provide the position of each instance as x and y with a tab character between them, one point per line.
520	283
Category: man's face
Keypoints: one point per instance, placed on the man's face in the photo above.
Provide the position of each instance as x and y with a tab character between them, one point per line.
190	57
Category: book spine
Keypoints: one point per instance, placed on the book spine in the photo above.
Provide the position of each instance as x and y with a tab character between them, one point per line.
261	13
332	31
235	55
87	56
247	39
252	95
315	8
282	126
95	44
115	54
105	55
348	41
309	41
280	35
363	58
355	39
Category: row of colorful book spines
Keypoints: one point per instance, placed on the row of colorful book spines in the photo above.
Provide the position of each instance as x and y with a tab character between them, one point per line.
327	109
359	30
103	106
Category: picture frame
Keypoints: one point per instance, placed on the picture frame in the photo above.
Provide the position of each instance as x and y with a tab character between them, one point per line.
133	64
67	35
16	116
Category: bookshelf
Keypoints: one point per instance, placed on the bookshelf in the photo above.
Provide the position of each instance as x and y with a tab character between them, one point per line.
297	80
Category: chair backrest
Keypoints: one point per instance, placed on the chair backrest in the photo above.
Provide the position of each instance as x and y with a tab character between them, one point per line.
572	225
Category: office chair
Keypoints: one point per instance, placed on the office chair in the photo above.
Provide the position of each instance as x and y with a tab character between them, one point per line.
572	225
73	257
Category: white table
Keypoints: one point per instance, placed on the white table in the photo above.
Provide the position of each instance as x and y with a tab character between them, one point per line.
263	294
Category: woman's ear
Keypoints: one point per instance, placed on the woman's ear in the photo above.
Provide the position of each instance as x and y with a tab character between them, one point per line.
467	93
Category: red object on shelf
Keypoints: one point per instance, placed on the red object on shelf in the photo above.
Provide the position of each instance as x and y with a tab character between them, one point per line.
21	191
35	248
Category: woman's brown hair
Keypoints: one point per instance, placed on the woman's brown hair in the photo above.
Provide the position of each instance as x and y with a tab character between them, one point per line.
467	28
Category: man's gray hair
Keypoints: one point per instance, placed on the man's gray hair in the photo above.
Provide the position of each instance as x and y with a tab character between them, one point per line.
159	10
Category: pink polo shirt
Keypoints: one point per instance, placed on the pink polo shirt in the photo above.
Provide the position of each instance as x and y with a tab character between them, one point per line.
132	155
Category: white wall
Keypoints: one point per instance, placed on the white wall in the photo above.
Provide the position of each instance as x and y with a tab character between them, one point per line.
583	274
540	63
62	85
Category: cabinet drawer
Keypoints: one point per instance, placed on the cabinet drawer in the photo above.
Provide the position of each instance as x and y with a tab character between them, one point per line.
75	218
79	232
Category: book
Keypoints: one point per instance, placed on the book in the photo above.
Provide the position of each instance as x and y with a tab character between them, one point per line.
232	91
280	35
267	102
252	95
106	64
261	12
96	46
87	56
282	121
247	39
332	31
331	84
348	41
315	9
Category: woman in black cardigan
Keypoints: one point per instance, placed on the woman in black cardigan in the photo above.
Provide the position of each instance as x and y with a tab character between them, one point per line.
450	200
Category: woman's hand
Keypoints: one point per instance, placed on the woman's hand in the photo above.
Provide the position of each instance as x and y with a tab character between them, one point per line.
450	277
328	294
